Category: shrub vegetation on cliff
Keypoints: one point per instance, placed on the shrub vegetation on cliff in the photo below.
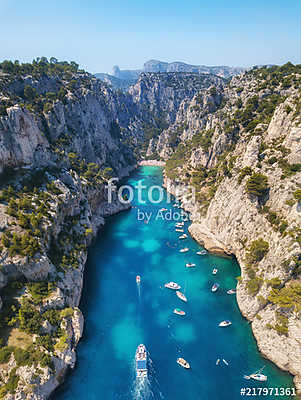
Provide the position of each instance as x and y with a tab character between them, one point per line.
257	185
256	251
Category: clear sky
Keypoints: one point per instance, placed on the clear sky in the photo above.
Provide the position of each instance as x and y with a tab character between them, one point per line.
100	34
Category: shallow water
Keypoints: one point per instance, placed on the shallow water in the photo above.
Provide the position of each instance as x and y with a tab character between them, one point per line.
119	315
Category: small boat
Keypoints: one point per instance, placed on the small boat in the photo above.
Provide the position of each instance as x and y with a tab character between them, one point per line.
163	209
257	376
141	361
190	265
179	230
184	236
217	361
231	291
138	279
225	323
183	363
181	296
225	362
179	312
215	287
179	224
214	271
184	250
172	285
201	253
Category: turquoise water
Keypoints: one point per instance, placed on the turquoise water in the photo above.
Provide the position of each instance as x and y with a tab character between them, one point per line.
119	315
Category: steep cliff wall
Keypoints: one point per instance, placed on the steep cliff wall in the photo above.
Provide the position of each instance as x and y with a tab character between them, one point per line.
243	161
235	148
61	138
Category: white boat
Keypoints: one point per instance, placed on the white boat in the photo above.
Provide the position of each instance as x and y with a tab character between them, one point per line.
179	224
179	312
257	376
231	291
184	250
172	285
184	236
183	363
138	279
201	253
217	361
181	296
163	209
179	230
190	265
225	323
214	271
215	287
141	361
225	362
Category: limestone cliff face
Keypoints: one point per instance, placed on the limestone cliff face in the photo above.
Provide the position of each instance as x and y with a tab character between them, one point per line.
53	158
159	96
60	142
228	219
87	119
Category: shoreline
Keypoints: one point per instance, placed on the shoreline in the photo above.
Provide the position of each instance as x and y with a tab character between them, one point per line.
153	163
202	235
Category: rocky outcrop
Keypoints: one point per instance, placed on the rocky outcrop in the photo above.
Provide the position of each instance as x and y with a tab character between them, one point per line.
227	219
56	158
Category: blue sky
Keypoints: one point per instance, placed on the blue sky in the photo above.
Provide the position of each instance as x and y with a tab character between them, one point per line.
100	34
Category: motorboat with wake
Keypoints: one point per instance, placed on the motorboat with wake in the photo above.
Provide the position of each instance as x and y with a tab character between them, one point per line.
215	287
178	311
138	279
172	285
183	363
184	250
225	323
141	361
190	265
181	296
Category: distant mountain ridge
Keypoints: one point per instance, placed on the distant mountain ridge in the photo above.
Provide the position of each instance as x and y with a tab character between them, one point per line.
123	79
178	66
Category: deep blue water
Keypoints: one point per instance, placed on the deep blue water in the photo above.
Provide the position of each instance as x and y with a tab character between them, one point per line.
119	316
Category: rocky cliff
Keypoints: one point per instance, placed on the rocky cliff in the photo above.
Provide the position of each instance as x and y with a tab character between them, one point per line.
233	146
237	154
61	138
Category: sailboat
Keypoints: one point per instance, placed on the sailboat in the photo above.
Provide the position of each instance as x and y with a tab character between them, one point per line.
257	376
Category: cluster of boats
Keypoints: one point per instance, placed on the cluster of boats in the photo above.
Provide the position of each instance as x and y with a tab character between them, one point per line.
175	286
141	353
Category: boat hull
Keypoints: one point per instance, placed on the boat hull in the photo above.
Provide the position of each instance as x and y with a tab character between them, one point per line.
141	361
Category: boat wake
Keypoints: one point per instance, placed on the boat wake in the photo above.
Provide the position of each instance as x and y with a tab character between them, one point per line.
139	292
147	388
142	389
